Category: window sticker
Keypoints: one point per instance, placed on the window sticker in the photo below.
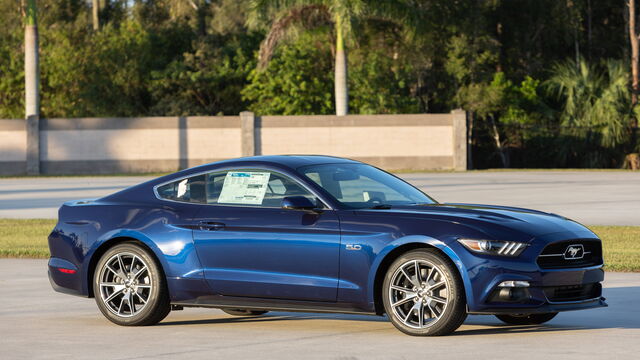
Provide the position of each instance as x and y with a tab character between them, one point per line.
244	188
182	188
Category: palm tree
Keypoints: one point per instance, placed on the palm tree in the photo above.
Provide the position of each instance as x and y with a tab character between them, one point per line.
95	14
190	9
341	14
595	98
31	61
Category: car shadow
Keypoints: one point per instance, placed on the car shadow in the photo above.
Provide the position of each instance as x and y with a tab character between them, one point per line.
275	316
621	313
494	329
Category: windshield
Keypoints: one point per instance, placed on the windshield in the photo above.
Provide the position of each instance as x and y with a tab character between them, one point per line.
359	186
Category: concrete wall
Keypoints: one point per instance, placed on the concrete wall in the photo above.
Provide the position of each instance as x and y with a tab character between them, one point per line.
162	144
13	146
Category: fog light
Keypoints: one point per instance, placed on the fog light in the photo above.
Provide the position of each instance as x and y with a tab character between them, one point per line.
512	291
514	284
514	294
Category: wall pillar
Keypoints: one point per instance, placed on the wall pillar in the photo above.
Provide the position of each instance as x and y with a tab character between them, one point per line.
33	145
248	133
459	122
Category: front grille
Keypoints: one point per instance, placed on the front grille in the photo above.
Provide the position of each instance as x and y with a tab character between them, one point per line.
554	255
573	292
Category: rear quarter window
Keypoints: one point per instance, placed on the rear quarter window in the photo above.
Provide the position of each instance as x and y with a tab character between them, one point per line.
186	190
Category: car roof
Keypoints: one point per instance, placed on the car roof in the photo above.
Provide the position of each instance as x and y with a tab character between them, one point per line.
290	161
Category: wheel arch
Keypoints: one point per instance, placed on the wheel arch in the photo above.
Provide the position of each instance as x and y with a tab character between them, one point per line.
108	244
402	246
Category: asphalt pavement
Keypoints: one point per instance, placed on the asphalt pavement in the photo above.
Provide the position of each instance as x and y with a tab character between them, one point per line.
590	197
38	323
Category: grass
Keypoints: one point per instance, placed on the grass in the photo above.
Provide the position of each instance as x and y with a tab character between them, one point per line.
27	238
621	247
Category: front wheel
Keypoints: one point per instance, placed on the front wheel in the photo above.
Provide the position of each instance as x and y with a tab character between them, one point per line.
526	319
423	294
129	287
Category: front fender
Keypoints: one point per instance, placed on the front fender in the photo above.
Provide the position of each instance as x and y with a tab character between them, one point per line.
418	240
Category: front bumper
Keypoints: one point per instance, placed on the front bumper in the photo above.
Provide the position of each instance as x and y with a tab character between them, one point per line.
535	298
546	290
545	308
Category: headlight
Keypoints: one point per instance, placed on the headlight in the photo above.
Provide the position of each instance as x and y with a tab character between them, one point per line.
493	247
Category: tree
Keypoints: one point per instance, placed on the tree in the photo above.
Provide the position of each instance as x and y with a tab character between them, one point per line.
342	15
471	61
95	14
635	49
31	61
634	40
194	11
208	79
595	100
294	82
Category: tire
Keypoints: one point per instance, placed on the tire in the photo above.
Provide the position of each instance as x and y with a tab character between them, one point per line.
141	284
244	312
526	319
440	298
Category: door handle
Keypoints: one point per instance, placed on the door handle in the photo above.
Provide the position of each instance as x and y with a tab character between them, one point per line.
211	225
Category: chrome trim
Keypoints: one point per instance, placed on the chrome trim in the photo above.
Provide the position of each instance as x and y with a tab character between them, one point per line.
155	187
514	284
574	257
548	255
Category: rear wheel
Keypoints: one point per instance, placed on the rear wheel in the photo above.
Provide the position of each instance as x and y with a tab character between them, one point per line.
244	312
526	319
129	287
423	294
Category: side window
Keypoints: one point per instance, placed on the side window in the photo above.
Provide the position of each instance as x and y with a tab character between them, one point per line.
350	187
251	187
279	187
187	190
235	187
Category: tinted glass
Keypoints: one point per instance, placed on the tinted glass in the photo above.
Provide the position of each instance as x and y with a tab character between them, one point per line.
187	190
276	187
359	186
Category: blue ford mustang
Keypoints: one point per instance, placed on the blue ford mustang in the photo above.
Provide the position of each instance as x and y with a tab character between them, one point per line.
319	233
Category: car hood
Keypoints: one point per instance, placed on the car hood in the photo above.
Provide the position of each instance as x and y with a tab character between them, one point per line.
494	220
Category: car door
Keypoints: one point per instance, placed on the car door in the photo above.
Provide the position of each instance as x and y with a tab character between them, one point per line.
250	247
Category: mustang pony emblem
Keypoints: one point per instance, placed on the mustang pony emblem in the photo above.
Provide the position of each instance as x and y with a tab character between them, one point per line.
574	252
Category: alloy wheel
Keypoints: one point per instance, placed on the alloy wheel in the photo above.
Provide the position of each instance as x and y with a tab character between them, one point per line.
418	293
125	284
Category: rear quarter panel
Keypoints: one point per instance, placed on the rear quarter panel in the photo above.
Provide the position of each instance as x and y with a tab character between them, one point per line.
85	231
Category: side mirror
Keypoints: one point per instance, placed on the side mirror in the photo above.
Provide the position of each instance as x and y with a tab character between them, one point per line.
297	203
